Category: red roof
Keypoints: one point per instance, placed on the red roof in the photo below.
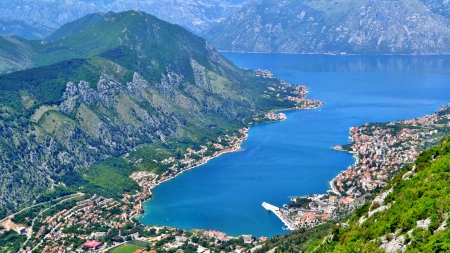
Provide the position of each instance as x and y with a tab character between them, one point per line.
91	244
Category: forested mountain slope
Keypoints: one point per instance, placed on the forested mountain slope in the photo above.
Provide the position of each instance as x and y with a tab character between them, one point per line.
323	26
115	86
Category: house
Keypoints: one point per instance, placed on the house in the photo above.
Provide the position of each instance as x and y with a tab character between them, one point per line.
247	239
21	230
98	234
135	235
89	245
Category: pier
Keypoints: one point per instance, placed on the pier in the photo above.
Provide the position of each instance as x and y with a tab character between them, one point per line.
283	217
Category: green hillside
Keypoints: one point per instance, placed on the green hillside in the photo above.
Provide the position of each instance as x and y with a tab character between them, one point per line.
112	94
409	215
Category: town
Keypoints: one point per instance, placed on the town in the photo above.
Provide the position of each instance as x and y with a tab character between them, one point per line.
79	221
380	150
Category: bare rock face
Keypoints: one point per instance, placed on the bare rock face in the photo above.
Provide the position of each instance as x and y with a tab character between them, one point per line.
319	26
397	244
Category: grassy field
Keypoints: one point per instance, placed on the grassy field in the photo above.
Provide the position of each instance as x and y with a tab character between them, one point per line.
125	248
138	243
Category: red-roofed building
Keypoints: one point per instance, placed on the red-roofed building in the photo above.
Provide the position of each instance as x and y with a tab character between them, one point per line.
92	245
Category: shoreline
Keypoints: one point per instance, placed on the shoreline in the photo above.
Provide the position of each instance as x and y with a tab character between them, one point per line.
272	116
234	147
203	162
331	54
375	153
379	151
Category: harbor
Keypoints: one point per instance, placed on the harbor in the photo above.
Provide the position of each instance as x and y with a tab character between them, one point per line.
280	214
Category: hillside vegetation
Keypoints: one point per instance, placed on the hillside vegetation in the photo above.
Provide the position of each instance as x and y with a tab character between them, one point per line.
410	215
109	95
325	26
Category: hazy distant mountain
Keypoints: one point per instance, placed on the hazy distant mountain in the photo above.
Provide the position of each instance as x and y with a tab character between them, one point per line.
326	26
106	85
192	14
25	28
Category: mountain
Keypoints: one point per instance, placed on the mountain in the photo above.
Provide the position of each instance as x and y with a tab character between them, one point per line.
194	15
323	26
114	93
25	28
410	215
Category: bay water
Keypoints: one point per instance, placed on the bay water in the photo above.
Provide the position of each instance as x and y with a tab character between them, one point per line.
293	158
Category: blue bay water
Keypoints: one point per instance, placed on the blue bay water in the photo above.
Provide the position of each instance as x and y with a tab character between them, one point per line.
293	157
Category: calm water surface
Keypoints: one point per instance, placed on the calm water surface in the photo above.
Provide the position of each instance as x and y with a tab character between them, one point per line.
293	157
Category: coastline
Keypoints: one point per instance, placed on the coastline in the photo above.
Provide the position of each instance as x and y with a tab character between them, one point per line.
379	151
375	151
232	147
297	95
328	54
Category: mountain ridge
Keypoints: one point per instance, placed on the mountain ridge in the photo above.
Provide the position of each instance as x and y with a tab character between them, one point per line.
26	29
327	27
194	15
127	85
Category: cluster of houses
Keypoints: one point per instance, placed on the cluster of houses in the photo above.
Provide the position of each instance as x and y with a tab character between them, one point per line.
57	230
381	150
263	73
275	116
319	208
295	93
191	159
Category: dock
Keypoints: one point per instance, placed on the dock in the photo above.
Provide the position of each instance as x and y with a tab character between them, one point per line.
283	217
